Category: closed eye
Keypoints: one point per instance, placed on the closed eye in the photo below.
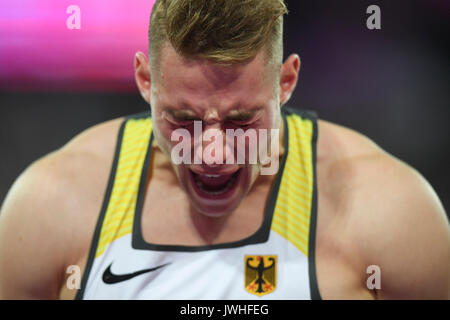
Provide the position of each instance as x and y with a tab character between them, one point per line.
181	120
244	118
241	123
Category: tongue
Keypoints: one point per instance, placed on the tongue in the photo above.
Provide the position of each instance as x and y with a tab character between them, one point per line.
214	182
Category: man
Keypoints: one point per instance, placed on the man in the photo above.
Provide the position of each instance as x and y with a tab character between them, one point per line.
139	225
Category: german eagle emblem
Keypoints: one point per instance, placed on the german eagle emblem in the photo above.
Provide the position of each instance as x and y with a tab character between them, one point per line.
260	274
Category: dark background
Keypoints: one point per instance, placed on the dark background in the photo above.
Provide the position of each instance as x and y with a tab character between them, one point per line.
390	84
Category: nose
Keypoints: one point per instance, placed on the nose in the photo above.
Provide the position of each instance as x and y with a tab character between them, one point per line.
214	150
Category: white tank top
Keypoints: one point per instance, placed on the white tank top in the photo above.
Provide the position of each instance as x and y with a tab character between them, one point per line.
277	262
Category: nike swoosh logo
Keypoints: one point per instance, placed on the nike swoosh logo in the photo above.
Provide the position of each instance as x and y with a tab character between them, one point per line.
110	278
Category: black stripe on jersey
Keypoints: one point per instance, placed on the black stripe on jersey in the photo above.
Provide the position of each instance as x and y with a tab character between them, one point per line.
98	227
315	294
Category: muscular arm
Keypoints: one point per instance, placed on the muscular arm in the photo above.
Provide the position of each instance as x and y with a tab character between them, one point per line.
48	217
31	235
401	227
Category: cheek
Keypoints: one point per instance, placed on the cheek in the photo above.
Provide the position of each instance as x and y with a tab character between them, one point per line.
275	117
163	132
163	129
271	120
272	116
162	135
276	120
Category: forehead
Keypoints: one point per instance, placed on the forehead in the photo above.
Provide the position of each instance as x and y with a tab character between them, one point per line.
201	82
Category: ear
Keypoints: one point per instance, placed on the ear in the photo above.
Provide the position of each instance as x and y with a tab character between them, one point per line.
289	77
142	75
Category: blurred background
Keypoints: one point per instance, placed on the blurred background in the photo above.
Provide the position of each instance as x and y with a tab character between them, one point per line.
390	84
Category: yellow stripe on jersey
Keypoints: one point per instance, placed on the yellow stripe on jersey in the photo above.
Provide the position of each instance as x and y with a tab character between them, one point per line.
293	206
118	220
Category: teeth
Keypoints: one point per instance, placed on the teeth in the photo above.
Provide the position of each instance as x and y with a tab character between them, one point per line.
211	175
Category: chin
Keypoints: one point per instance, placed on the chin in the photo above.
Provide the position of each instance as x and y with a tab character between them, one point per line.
215	192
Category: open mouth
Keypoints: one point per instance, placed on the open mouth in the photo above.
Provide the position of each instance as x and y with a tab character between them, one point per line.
215	185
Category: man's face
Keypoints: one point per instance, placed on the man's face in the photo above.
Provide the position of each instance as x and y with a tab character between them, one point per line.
221	97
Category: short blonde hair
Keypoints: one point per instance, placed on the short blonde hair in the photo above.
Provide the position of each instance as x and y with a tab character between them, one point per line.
222	31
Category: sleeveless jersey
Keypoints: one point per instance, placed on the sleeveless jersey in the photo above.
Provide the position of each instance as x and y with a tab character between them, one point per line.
276	262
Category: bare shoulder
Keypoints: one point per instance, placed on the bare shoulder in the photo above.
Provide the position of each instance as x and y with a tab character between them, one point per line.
49	214
391	215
